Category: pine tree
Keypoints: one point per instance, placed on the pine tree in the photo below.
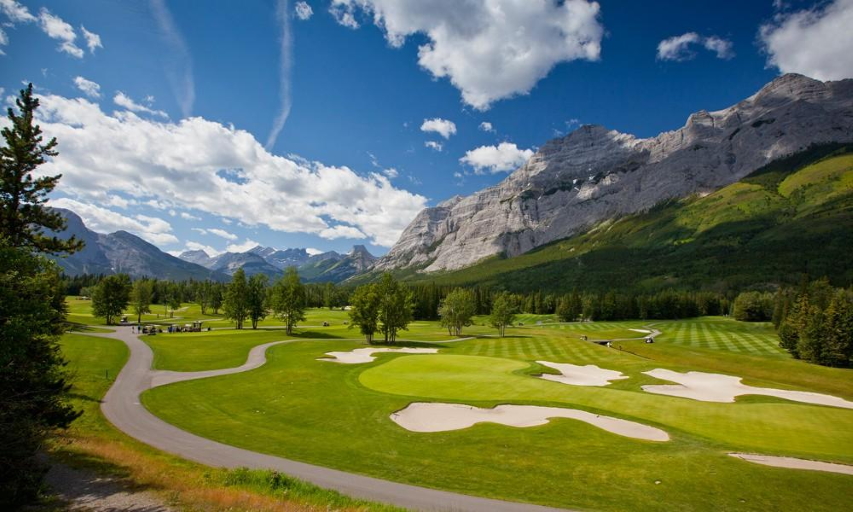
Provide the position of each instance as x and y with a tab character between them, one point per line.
23	216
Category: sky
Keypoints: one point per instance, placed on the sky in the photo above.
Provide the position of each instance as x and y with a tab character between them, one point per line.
322	124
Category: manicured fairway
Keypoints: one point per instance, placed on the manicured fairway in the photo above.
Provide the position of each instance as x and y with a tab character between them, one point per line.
338	415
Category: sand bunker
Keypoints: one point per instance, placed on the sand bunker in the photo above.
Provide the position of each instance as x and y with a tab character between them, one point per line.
792	463
365	355
589	375
438	417
713	387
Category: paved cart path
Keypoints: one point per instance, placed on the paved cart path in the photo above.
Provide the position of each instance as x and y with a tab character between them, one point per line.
123	409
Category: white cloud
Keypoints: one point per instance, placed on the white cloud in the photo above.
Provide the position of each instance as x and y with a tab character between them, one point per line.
153	229
440	126
89	88
245	246
313	252
341	232
437	146
4	40
222	233
176	164
285	67
488	49
303	11
93	40
195	246
722	47
486	126
179	65
677	48
816	42
123	100
16	12
390	172
187	216
56	28
501	158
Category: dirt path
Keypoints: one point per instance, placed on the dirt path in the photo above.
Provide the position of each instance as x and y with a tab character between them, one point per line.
122	408
84	490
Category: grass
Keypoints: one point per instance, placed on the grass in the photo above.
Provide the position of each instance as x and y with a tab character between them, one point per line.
94	444
338	416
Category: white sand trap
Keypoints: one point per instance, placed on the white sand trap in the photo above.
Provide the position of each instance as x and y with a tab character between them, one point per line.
644	331
713	387
365	355
792	463
589	375
438	417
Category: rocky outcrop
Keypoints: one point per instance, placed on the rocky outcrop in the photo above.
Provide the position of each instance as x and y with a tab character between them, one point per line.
594	174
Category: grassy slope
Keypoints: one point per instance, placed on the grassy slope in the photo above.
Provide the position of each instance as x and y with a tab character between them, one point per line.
338	416
785	219
92	442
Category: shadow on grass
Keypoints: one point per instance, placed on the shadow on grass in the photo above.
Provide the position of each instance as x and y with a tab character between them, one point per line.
84	398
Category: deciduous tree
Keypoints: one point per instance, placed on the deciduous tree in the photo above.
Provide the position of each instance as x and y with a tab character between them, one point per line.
457	310
237	299
111	297
288	299
503	313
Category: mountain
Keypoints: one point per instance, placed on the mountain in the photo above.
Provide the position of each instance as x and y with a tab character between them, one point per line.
251	263
198	257
789	218
594	175
122	252
335	267
282	258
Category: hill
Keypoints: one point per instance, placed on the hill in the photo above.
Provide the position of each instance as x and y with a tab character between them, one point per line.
790	217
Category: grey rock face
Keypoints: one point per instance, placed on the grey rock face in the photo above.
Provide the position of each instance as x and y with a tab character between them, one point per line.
198	257
595	174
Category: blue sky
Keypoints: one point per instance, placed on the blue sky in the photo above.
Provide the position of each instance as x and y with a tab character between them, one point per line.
165	110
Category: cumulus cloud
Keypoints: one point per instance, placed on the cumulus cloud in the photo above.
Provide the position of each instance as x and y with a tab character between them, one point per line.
93	40
188	216
153	229
440	126
89	88
177	164
488	49
504	157
816	42
486	126
16	12
245	246
436	146
222	233
123	100
313	252
303	11
195	246
678	48
56	28
341	231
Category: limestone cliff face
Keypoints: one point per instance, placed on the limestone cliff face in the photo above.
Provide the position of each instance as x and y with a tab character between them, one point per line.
595	174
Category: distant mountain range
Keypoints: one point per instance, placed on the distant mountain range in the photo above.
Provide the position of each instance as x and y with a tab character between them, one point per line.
122	252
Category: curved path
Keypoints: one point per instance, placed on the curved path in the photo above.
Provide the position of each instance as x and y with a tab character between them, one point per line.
122	408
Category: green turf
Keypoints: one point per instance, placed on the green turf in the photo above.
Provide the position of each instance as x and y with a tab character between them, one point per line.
338	416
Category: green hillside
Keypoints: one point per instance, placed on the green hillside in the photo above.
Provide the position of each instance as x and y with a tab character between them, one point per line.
791	217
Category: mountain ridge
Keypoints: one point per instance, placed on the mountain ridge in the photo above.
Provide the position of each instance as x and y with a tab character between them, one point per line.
594	174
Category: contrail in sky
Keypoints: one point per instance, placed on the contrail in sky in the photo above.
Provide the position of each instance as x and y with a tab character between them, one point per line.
285	69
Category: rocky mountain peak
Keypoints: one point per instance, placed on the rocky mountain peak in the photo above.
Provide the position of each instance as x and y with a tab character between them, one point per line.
594	174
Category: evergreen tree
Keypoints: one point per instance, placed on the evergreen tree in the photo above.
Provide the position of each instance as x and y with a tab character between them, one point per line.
257	298
111	297
288	299
236	299
23	216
